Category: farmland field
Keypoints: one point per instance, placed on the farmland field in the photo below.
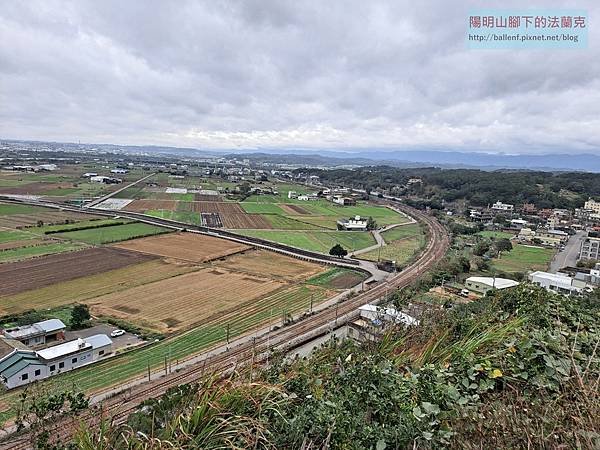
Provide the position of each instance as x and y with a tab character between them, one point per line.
48	270
49	248
318	241
261	262
338	278
399	250
116	233
523	258
185	246
402	232
84	288
185	300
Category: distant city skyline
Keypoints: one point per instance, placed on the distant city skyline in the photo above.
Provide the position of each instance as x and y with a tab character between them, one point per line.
288	75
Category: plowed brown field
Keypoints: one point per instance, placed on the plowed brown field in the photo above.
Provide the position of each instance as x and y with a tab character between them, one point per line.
47	270
143	205
185	300
240	221
294	209
185	246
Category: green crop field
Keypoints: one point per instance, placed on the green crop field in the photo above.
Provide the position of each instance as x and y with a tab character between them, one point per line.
261	208
10	236
97	236
318	241
523	258
21	253
288	223
402	232
400	251
9	209
126	366
69	226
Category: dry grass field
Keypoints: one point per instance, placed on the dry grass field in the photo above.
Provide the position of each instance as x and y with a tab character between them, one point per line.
182	301
263	262
88	287
186	246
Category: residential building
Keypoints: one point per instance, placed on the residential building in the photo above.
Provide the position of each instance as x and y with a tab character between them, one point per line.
356	224
590	276
308	197
482	285
20	366
39	333
590	248
292	194
517	224
480	215
374	320
344	201
592	205
557	282
499	206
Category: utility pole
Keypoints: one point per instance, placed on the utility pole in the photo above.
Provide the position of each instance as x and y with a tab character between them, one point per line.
148	370
311	303
227	333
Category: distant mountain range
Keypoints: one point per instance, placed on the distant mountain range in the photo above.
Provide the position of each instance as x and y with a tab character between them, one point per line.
362	157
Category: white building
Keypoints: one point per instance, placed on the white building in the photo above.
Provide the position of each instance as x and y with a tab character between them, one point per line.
592	205
292	194
22	366
344	201
499	206
308	197
356	224
119	171
518	223
556	282
484	284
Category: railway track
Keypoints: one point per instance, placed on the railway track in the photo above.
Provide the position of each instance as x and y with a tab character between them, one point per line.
118	408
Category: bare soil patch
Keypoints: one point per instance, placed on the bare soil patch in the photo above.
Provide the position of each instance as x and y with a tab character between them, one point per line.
186	246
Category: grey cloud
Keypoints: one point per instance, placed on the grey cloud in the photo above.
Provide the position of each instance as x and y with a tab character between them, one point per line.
311	74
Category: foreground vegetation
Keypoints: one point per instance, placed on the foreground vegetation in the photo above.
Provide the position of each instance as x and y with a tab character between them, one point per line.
517	369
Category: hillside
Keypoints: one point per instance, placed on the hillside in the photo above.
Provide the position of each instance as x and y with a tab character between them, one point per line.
516	369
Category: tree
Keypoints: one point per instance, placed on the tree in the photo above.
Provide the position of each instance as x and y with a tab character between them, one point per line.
79	315
503	245
481	248
338	250
371	224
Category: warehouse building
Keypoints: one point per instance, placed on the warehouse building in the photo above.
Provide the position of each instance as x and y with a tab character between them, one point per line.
482	285
20	366
557	282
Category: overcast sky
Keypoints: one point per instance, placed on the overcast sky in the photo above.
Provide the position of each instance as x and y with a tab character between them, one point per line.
289	74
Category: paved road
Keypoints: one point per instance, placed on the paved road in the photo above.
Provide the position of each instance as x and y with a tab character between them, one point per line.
568	256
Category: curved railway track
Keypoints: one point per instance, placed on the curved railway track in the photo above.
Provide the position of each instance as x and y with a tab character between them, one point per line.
120	406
